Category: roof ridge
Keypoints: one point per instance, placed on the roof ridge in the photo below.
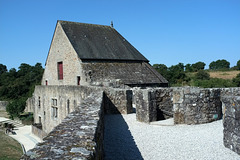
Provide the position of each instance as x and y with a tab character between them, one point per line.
83	23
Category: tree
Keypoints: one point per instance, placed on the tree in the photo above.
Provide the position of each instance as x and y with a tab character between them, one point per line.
198	66
16	107
202	75
188	68
219	64
3	69
176	73
238	64
161	68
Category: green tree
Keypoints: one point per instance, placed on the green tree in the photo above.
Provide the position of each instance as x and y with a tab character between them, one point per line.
238	64
176	74
198	66
16	107
219	64
162	69
3	69
202	75
17	86
188	68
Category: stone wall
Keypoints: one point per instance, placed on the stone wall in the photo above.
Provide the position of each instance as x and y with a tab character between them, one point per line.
47	100
153	104
231	122
117	101
192	105
3	105
61	50
79	136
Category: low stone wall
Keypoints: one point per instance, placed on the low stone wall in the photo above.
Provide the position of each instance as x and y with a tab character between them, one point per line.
231	121
153	104
79	136
193	105
117	101
3	105
38	132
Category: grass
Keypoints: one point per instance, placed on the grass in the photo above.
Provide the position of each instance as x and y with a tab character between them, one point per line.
224	74
218	74
10	149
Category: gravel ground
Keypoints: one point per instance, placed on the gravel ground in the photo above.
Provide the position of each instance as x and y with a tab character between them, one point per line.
125	138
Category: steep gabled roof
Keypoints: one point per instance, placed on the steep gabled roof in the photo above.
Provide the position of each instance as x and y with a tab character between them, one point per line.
99	42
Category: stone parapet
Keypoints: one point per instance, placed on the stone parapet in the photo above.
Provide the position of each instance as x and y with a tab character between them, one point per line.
192	105
79	136
153	104
231	121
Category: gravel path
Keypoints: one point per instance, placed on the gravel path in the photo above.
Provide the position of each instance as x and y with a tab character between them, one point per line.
125	138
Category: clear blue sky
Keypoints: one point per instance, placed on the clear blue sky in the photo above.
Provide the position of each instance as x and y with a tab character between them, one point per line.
164	31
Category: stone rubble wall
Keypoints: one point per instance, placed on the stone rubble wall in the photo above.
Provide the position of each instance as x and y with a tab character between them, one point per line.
231	121
79	136
3	105
151	104
192	105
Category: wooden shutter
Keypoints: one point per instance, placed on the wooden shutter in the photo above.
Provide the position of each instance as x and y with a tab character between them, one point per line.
60	70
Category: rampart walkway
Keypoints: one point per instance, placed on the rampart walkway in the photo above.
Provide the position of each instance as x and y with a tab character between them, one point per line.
136	140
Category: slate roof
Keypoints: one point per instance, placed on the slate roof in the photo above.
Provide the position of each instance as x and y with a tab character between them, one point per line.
99	42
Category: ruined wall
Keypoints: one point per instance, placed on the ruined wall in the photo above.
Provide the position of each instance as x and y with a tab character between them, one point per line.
231	122
3	105
79	136
194	105
153	104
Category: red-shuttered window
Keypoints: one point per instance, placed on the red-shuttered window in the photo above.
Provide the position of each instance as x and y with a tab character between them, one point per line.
60	70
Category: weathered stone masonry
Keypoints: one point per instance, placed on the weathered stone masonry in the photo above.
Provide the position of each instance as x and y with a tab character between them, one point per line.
79	136
231	122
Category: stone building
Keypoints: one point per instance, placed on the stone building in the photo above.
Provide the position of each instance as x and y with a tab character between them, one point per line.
88	54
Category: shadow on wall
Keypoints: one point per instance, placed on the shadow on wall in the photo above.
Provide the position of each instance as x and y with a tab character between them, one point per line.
118	140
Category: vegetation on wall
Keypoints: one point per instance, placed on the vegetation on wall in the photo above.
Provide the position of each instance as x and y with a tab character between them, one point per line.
196	75
17	85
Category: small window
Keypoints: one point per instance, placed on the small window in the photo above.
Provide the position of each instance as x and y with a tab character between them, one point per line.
54	112
54	108
54	102
46	82
39	102
60	70
78	80
68	106
39	119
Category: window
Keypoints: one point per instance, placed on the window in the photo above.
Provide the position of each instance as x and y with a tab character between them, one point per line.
54	108
39	119
54	112
78	80
46	82
39	102
68	106
60	70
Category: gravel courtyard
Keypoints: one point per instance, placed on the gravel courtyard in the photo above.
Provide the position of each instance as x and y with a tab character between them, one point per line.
125	138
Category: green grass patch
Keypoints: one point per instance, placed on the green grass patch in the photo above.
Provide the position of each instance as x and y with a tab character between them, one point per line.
10	149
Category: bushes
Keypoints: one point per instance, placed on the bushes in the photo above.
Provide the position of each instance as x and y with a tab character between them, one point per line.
236	80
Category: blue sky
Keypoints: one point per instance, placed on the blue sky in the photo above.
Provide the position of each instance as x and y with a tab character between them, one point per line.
164	31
